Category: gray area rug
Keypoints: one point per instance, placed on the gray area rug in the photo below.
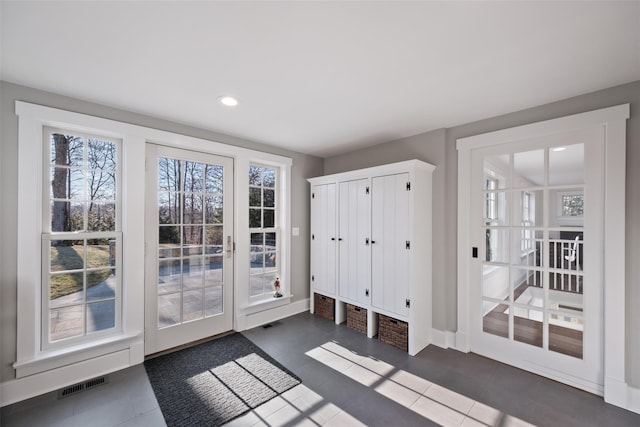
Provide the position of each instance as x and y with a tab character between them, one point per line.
214	382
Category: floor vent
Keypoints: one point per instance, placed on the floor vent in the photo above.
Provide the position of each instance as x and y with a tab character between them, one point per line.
77	388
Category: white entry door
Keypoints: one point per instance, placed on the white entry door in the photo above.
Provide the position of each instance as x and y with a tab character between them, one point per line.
536	295
189	250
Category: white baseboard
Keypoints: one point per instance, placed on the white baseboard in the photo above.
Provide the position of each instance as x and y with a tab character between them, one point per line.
271	315
34	385
633	402
444	339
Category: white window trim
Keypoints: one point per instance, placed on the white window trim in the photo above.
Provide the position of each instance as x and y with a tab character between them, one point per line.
30	358
268	295
245	304
613	120
48	236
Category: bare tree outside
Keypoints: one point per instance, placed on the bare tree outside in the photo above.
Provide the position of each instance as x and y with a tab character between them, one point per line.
82	284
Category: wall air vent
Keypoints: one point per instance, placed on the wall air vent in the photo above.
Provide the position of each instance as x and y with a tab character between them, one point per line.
77	388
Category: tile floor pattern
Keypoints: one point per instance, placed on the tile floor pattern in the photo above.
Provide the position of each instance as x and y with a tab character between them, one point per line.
350	380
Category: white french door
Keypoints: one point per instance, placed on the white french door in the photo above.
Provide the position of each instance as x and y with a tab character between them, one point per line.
189	250
536	273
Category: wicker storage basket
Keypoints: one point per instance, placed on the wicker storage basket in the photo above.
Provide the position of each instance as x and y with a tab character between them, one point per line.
394	332
324	306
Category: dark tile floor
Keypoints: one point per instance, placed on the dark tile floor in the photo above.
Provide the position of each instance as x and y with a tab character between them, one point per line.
350	380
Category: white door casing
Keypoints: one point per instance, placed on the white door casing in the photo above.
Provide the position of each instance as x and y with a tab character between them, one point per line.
530	305
611	122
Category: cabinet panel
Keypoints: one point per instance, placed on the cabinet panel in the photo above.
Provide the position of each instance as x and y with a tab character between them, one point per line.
323	238
395	265
353	248
390	234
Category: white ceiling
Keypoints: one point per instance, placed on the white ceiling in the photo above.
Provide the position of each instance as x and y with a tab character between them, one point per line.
321	77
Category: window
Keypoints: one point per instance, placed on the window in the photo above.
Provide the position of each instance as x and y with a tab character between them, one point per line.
491	200
263	228
491	214
572	205
528	220
81	237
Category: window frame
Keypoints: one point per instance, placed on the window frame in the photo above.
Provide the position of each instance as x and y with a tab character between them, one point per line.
276	229
49	235
527	221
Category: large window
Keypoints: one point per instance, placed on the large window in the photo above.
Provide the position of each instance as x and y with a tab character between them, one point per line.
81	237
263	228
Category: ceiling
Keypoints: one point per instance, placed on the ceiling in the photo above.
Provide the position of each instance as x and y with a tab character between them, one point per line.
321	78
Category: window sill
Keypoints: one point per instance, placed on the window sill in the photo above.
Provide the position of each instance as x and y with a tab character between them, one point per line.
266	304
52	359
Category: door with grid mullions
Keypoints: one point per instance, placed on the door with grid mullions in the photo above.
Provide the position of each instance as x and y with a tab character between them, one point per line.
537	267
189	247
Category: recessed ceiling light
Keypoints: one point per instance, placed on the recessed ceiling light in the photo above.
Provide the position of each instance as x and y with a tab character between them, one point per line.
229	101
559	149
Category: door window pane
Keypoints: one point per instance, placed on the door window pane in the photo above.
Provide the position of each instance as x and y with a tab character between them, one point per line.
497	245
527	326
169	310
192	308
566	165
495	319
528	169
213	297
195	203
566	333
496	171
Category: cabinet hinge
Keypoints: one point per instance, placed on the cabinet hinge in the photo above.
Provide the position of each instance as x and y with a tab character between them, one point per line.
408	303
366	190
407	245
408	186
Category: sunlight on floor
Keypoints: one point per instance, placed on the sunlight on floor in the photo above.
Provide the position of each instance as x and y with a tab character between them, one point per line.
298	406
427	399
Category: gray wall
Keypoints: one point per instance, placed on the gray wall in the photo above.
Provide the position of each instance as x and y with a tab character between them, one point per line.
430	147
303	167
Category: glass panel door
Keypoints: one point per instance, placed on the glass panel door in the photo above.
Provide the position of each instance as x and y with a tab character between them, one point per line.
537	230
189	262
532	266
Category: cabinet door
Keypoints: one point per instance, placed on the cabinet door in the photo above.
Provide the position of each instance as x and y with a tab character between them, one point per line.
354	267
323	238
389	235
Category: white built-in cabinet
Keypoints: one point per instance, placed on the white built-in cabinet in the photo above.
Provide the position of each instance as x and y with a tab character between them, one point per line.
323	241
371	244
